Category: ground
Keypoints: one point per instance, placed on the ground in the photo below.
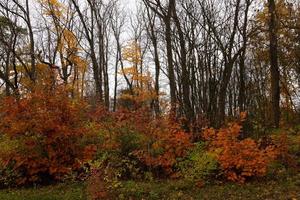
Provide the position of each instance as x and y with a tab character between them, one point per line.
284	187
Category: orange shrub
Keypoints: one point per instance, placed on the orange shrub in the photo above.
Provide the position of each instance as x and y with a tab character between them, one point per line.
168	142
239	159
48	127
153	143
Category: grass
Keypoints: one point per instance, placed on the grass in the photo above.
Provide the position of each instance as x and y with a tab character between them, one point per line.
55	192
286	188
282	187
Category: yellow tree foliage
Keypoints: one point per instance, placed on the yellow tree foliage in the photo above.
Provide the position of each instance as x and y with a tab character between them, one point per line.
288	50
53	7
143	90
67	44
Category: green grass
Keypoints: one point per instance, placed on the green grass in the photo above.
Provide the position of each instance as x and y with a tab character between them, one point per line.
286	188
55	192
282	187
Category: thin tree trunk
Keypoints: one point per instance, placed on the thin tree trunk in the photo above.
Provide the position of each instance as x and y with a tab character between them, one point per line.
275	74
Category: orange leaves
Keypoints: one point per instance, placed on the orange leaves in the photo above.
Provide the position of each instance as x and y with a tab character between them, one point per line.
170	144
239	159
155	143
47	126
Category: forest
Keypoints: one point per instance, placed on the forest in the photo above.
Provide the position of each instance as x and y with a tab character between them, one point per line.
149	99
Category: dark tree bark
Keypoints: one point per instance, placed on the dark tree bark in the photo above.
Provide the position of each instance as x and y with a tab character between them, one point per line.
274	67
185	77
166	16
89	34
153	37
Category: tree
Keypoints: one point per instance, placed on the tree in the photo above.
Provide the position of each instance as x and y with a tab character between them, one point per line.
166	15
152	34
9	34
62	54
22	11
142	93
275	74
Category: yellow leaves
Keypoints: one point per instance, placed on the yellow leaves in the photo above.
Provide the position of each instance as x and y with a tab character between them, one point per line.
68	43
42	68
156	145
143	78
43	71
45	75
282	11
143	84
53	8
129	71
132	53
80	63
139	95
52	3
136	76
70	39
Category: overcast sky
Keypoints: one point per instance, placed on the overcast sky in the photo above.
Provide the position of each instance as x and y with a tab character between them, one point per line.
128	3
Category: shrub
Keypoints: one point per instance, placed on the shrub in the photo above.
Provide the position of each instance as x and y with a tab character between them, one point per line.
239	159
47	127
199	163
288	149
130	141
141	142
167	143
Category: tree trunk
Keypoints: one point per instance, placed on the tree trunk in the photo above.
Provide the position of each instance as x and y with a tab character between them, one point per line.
171	73
275	74
185	78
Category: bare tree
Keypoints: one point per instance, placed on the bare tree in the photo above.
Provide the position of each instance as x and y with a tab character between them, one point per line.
275	75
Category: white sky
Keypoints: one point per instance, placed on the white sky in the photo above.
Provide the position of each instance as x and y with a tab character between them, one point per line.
128	3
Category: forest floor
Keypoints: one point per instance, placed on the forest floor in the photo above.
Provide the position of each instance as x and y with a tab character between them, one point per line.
285	187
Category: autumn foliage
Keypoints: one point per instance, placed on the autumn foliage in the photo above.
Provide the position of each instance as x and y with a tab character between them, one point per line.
154	143
46	128
169	142
80	103
47	136
239	159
